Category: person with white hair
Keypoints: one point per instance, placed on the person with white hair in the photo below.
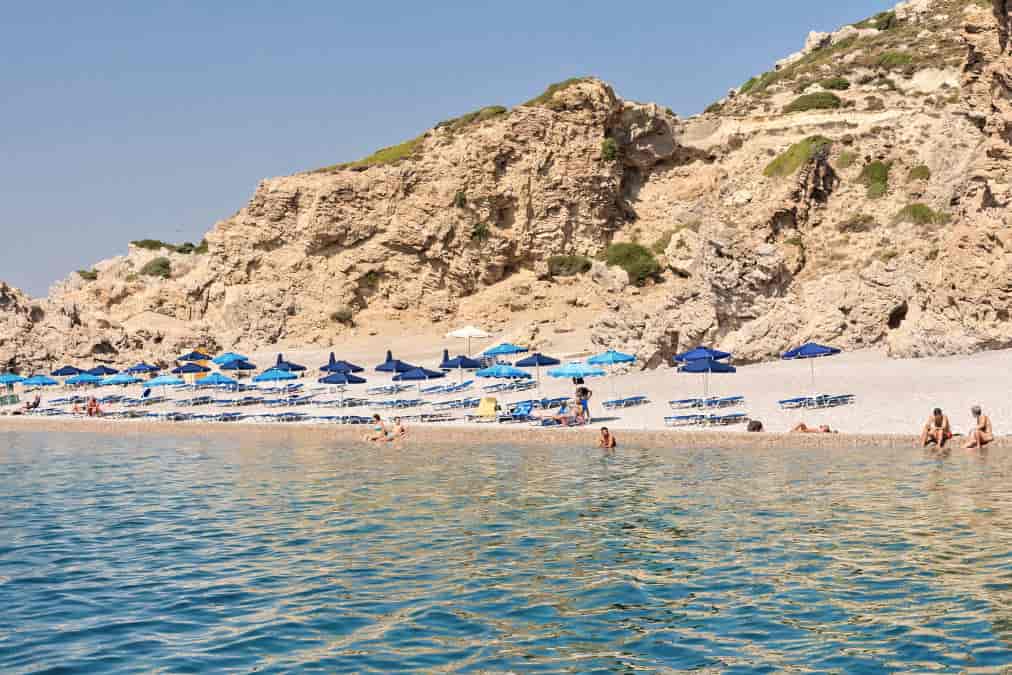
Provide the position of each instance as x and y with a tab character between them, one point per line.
982	433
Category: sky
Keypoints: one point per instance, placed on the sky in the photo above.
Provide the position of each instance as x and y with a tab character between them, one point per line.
133	120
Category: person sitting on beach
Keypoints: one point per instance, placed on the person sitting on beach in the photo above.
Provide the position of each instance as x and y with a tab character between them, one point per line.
755	426
34	404
563	415
607	439
803	428
982	433
379	430
398	432
936	430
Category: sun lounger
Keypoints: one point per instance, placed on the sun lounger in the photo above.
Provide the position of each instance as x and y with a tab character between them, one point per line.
726	402
519	412
627	402
684	420
727	420
488	410
686	403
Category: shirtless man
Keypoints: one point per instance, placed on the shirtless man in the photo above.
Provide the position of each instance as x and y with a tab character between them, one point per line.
607	440
982	433
936	429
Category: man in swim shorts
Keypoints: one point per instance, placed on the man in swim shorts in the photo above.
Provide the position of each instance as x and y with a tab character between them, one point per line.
936	430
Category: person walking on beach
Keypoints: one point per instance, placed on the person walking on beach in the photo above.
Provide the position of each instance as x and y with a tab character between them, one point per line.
607	440
936	430
982	433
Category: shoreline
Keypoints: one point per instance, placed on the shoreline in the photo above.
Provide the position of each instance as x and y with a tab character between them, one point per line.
519	435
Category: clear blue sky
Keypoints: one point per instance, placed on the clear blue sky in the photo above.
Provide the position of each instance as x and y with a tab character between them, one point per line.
127	120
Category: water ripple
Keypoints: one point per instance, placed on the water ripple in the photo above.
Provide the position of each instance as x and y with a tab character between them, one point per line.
187	556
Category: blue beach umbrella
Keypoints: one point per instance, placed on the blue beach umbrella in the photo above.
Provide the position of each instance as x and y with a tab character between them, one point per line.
40	381
217	380
275	375
460	363
195	356
165	381
810	351
237	364
341	378
576	370
395	366
102	370
501	372
142	368
281	364
702	354
335	366
190	369
66	371
10	378
222	359
84	378
707	366
418	375
536	361
611	358
505	349
121	379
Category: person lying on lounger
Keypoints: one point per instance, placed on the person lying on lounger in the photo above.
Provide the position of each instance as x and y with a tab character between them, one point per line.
564	417
803	428
982	433
936	430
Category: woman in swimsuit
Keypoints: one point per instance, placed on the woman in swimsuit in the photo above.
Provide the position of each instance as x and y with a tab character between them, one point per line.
982	433
379	430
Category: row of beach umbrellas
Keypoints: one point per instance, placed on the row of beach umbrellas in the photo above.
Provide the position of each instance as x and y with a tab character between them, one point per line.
702	360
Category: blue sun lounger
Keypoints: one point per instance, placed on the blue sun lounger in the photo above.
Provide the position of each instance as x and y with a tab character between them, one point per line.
684	420
518	412
627	402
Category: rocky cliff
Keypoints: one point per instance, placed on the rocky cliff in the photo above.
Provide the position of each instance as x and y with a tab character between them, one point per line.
855	193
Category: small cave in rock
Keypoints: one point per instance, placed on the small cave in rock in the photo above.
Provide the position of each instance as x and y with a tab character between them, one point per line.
104	348
36	314
898	316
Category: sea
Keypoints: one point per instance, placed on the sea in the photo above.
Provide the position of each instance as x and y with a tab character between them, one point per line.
272	553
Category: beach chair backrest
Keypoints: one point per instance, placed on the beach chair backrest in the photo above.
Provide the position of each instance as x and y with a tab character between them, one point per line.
488	406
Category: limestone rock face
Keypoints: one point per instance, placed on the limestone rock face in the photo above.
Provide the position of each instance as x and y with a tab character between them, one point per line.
882	223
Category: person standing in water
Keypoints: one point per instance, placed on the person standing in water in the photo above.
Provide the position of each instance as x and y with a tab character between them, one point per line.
982	433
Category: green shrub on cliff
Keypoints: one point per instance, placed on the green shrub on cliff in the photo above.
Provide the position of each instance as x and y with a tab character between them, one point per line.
822	100
159	267
795	156
88	275
544	99
636	260
609	150
875	176
921	214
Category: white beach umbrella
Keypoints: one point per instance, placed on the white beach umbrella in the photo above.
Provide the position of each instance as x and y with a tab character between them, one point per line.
467	333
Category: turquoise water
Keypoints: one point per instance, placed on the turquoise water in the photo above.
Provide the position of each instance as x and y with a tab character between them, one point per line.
183	555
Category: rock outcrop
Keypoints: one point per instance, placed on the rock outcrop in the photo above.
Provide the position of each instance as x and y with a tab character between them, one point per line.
857	193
